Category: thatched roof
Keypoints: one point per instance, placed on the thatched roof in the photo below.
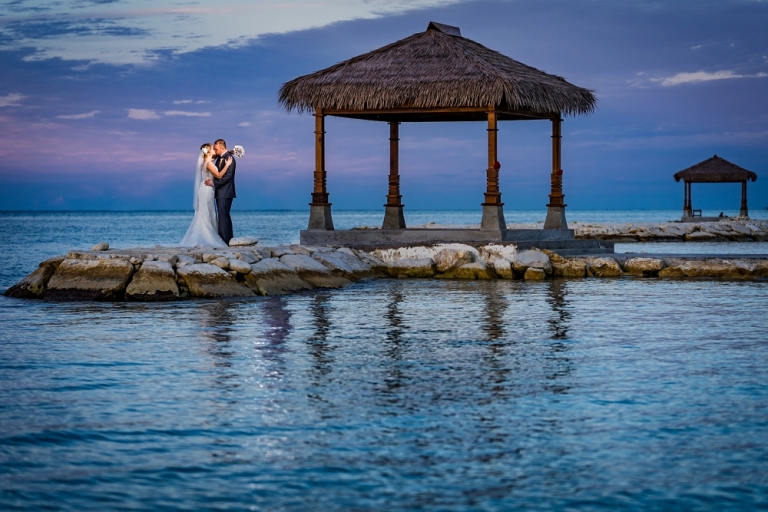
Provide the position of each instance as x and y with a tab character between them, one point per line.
436	68
715	170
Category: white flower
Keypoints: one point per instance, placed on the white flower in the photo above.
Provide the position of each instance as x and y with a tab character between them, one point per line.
205	151
238	151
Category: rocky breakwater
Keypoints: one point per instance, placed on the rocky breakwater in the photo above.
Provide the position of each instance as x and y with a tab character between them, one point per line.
736	230
164	273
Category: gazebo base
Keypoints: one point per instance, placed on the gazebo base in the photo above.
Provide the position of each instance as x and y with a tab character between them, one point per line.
560	241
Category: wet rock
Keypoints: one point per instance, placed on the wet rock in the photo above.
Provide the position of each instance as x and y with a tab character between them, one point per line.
563	267
33	286
238	266
104	279
204	280
101	246
474	270
270	277
532	258
344	263
417	268
534	274
727	269
313	272
645	267
450	258
603	267
698	236
377	266
241	241
495	251
154	281
501	267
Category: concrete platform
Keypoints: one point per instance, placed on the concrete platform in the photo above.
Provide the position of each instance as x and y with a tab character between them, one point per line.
560	241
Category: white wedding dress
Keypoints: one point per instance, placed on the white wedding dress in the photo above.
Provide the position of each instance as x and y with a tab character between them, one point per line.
203	230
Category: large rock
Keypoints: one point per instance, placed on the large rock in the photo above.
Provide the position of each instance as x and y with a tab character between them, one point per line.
603	267
377	266
563	267
534	274
270	277
33	286
422	267
531	259
344	263
100	279
242	241
313	272
728	269
221	262
204	280
101	246
699	236
501	267
474	270
155	280
451	258
645	267
239	266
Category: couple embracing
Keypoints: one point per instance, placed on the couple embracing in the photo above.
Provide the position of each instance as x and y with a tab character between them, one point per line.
214	179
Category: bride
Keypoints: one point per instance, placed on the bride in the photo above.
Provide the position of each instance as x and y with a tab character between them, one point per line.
203	229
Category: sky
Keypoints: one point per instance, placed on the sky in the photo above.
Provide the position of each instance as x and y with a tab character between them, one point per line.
104	103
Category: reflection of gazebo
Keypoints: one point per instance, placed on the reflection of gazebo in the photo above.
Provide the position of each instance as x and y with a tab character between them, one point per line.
714	170
436	75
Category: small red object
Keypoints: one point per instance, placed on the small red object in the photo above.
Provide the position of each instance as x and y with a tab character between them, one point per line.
497	165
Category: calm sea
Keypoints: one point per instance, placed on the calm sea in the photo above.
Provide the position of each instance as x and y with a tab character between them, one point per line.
591	394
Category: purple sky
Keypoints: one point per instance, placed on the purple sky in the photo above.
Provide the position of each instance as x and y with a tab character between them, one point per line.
103	104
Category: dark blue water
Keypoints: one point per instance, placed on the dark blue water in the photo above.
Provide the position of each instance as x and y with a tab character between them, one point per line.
591	394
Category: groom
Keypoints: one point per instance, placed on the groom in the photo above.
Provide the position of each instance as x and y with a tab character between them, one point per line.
224	188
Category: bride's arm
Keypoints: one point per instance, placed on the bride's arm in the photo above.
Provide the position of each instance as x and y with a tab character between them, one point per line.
216	173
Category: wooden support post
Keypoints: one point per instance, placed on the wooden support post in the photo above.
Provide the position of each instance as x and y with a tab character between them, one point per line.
556	207
744	211
320	208
393	210
493	208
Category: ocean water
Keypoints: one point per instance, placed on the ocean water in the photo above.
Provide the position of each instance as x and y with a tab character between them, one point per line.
591	394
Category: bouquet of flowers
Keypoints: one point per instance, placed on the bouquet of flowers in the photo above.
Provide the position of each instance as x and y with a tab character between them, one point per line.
238	151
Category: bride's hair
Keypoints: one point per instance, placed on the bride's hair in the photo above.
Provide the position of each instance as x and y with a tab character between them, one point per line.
207	146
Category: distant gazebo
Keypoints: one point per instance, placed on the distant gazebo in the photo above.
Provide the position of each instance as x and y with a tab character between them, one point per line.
713	170
436	75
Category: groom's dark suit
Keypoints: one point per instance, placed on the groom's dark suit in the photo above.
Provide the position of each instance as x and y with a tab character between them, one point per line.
224	194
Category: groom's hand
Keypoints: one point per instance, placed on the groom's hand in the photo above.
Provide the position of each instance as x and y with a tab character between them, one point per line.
209	182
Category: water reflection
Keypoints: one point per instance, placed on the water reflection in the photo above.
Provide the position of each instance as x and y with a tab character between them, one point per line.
319	348
559	364
277	328
556	298
394	345
217	322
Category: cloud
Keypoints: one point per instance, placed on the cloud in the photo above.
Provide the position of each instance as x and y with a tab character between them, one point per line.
79	116
702	76
181	102
142	114
11	100
113	32
188	114
244	123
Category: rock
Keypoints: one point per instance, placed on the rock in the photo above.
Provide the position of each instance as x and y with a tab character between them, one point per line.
563	267
643	266
242	241
207	257
422	267
221	262
248	257
270	277
136	261
407	253
698	236
33	286
184	260
101	246
603	267
263	252
300	249
155	280
204	280
377	266
344	263
532	258
729	269
238	266
90	280
76	255
672	271
281	250
502	268
313	272
450	258
474	270
169	258
496	251
534	274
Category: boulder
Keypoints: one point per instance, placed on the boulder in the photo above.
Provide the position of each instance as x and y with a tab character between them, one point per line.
377	266
208	257
184	260
474	270
407	253
104	279
313	272
501	267
101	246
534	274
239	266
728	269
643	266
300	249
204	280
155	280
451	258
422	267
33	286
603	267
496	251
270	277
344	263
698	236
242	241
563	267
532	258
221	262
248	257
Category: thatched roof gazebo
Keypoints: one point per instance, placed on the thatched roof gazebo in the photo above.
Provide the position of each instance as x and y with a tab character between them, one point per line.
714	170
436	75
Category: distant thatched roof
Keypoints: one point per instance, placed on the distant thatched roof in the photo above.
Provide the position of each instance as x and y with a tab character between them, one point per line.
435	69
715	170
